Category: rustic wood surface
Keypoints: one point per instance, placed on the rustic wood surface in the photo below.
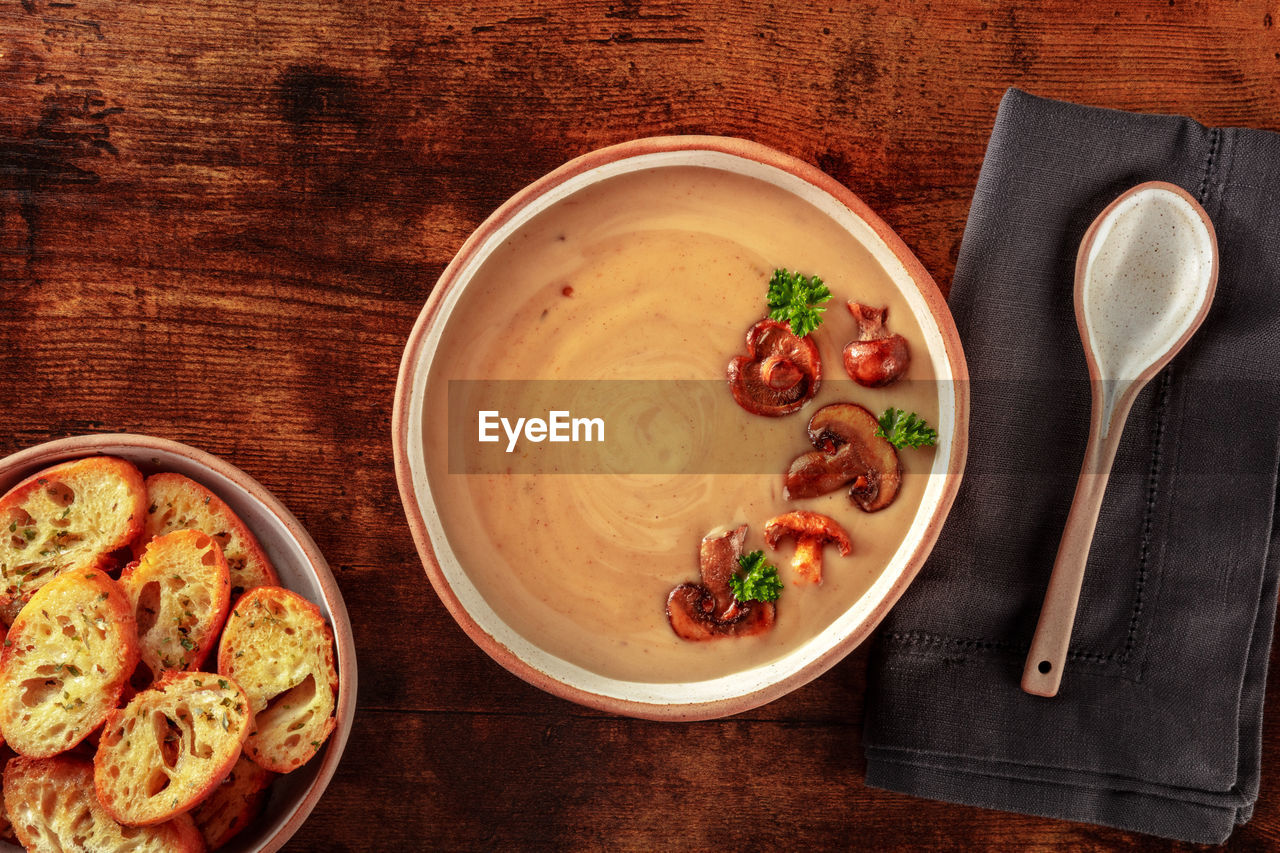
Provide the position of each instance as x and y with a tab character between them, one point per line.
219	220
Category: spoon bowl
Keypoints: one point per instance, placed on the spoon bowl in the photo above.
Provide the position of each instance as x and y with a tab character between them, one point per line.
1145	277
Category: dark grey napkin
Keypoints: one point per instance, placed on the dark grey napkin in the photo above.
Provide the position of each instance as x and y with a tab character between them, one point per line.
1157	727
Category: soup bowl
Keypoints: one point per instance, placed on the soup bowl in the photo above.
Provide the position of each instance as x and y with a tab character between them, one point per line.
297	560
420	472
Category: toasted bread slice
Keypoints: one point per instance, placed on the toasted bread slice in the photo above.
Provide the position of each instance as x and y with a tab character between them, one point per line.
170	746
279	648
175	502
64	662
6	828
233	804
53	808
66	518
180	592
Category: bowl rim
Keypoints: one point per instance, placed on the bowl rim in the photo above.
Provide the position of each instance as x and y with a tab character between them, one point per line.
78	446
412	362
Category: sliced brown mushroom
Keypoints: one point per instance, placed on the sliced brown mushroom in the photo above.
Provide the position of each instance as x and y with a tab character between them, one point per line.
849	453
876	357
707	610
780	372
811	530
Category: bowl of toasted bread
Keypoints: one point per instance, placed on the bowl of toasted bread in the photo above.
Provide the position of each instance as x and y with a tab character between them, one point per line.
177	670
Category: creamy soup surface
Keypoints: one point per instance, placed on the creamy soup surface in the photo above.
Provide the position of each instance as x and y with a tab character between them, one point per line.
658	275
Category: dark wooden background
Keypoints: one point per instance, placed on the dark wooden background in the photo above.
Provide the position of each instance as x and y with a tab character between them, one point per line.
219	220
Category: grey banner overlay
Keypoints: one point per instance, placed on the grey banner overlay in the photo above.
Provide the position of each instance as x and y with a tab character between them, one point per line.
695	426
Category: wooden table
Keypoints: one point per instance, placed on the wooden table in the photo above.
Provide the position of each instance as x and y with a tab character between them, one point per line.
220	220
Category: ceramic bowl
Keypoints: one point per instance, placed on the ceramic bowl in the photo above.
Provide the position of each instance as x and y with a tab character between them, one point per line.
300	565
743	690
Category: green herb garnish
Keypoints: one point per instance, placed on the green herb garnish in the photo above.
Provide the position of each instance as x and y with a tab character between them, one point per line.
906	430
796	299
756	580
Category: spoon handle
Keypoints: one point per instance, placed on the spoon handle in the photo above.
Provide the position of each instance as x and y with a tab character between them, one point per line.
1042	673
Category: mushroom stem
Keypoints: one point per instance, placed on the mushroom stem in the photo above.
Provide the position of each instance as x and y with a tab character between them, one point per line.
807	561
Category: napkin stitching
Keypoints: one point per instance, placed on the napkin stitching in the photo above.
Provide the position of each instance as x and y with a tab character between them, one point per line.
1148	517
1215	135
927	638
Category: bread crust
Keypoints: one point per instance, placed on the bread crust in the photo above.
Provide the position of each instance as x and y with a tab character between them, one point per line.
233	804
69	517
180	592
175	502
277	645
64	663
166	750
53	808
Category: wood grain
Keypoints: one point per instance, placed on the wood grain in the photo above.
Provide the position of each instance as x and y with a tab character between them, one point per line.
219	220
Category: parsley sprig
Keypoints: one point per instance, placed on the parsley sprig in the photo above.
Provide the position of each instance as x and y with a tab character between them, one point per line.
797	300
906	430
756	580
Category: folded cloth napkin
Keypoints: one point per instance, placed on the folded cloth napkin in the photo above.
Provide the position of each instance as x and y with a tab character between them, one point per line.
1157	726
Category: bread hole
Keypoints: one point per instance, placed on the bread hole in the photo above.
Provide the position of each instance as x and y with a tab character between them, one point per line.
61	494
48	801
223	538
156	782
168	737
148	608
18	517
142	677
21	527
200	749
289	709
38	691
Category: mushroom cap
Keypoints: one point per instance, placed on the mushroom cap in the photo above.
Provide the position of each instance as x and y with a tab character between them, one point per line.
806	525
849	452
876	357
708	610
780	372
874	364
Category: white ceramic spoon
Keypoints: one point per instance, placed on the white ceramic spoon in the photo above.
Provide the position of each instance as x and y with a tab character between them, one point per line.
1145	276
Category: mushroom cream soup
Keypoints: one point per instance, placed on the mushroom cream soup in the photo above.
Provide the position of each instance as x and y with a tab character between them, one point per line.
658	275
